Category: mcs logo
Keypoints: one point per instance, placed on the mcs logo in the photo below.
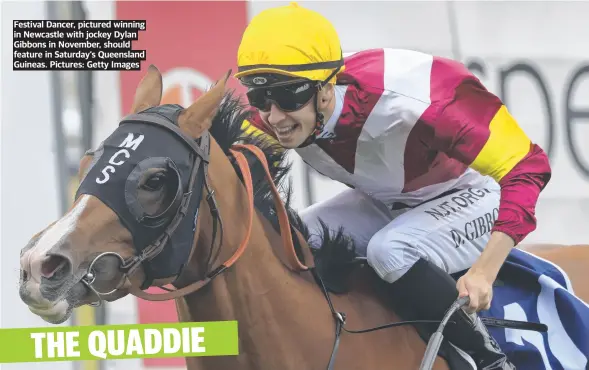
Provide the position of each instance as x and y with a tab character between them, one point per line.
120	156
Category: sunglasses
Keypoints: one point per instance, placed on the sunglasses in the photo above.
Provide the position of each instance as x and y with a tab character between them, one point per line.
288	97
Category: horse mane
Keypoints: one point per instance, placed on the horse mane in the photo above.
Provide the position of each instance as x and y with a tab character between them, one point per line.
227	129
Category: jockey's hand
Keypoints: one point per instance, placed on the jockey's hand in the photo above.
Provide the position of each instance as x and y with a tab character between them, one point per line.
477	286
477	283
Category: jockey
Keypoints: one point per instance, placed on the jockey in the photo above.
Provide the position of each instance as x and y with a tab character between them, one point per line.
441	178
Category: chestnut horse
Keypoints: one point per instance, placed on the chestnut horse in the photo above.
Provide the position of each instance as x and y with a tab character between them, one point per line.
235	259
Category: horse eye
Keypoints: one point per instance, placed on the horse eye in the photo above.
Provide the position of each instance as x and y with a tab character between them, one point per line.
155	182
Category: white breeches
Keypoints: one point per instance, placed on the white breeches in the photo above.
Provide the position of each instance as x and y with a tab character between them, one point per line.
450	231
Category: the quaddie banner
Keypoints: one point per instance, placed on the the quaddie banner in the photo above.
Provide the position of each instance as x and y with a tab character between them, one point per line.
217	338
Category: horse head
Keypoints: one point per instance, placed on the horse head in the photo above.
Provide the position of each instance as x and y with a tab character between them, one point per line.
139	196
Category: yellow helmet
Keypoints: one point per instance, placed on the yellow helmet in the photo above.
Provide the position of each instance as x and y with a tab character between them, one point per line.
292	41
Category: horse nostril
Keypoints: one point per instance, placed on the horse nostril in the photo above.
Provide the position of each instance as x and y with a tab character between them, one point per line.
54	266
24	275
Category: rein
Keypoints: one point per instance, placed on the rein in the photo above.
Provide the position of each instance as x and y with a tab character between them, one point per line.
178	293
291	256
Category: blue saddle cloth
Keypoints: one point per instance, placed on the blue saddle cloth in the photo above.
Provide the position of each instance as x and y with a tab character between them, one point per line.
532	289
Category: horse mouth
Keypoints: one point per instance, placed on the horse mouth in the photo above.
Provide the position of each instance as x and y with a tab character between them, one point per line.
54	305
57	313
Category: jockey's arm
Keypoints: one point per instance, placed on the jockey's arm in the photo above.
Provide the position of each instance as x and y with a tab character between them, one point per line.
250	128
473	126
255	126
489	140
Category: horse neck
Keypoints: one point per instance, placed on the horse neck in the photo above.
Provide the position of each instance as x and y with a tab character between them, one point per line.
273	306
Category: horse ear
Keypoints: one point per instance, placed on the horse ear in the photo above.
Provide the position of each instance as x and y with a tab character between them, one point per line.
149	90
197	118
84	163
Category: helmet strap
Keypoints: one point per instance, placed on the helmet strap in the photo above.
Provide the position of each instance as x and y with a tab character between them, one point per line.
320	117
319	125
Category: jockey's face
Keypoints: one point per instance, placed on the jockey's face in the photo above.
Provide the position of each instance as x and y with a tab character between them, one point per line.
293	128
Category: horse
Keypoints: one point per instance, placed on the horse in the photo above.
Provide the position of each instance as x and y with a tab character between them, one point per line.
215	223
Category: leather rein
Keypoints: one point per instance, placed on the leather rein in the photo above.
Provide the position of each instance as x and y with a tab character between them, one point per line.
282	218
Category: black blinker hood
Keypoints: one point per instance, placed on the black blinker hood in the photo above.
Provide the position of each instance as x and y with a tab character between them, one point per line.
118	166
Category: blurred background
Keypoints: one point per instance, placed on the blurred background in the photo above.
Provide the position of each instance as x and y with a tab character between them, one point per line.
534	55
